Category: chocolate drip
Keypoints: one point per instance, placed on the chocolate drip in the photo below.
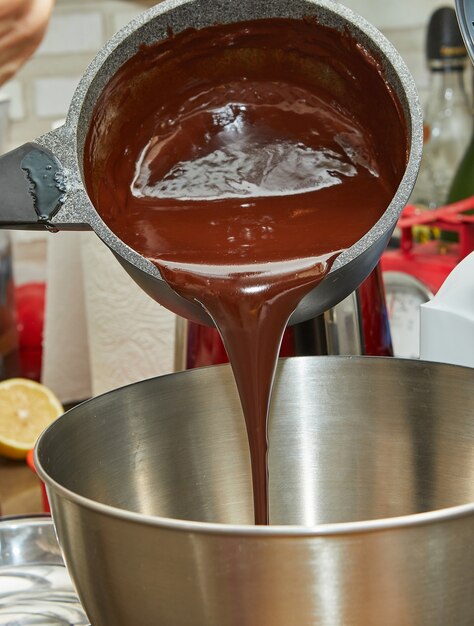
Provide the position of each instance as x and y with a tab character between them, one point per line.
242	159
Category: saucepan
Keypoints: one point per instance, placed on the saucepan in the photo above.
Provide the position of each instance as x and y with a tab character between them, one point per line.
42	182
371	498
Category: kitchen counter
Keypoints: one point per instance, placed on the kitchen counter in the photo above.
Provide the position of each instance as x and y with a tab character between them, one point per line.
20	490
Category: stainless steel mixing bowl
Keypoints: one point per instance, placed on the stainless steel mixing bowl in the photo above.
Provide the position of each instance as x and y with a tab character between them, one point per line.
371	495
53	195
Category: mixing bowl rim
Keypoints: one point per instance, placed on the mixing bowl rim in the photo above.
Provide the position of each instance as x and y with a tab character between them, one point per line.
248	530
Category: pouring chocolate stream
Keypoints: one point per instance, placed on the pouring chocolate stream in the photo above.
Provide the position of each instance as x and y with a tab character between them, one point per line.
244	174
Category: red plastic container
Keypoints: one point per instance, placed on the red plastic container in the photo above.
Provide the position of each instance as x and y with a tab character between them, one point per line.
30	460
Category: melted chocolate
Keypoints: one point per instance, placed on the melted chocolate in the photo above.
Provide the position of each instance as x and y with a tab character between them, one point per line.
242	159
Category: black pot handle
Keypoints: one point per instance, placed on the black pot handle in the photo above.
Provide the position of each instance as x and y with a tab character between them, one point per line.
32	188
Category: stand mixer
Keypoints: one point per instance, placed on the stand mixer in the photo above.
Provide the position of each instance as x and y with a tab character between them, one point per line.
149	485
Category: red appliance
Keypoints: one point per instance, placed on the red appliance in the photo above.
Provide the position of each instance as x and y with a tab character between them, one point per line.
414	272
432	261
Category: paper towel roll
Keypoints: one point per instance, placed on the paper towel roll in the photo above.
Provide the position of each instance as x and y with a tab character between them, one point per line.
131	337
66	367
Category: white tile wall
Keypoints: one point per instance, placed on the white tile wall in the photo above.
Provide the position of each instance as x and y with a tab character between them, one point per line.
122	18
53	95
42	90
73	33
396	14
15	92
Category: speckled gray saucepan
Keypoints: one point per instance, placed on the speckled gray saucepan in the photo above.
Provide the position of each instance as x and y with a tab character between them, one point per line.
42	186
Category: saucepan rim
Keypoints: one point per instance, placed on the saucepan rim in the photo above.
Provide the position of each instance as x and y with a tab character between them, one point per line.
380	43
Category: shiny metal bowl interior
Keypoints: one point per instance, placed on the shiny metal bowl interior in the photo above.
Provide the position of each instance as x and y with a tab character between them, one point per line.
372	486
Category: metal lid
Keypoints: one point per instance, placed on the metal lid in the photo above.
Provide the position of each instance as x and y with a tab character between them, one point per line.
445	47
35	588
465	13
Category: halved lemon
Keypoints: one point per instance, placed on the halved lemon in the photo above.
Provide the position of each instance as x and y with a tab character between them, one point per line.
26	409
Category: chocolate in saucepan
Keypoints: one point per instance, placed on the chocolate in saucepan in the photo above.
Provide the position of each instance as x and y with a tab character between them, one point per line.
242	159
